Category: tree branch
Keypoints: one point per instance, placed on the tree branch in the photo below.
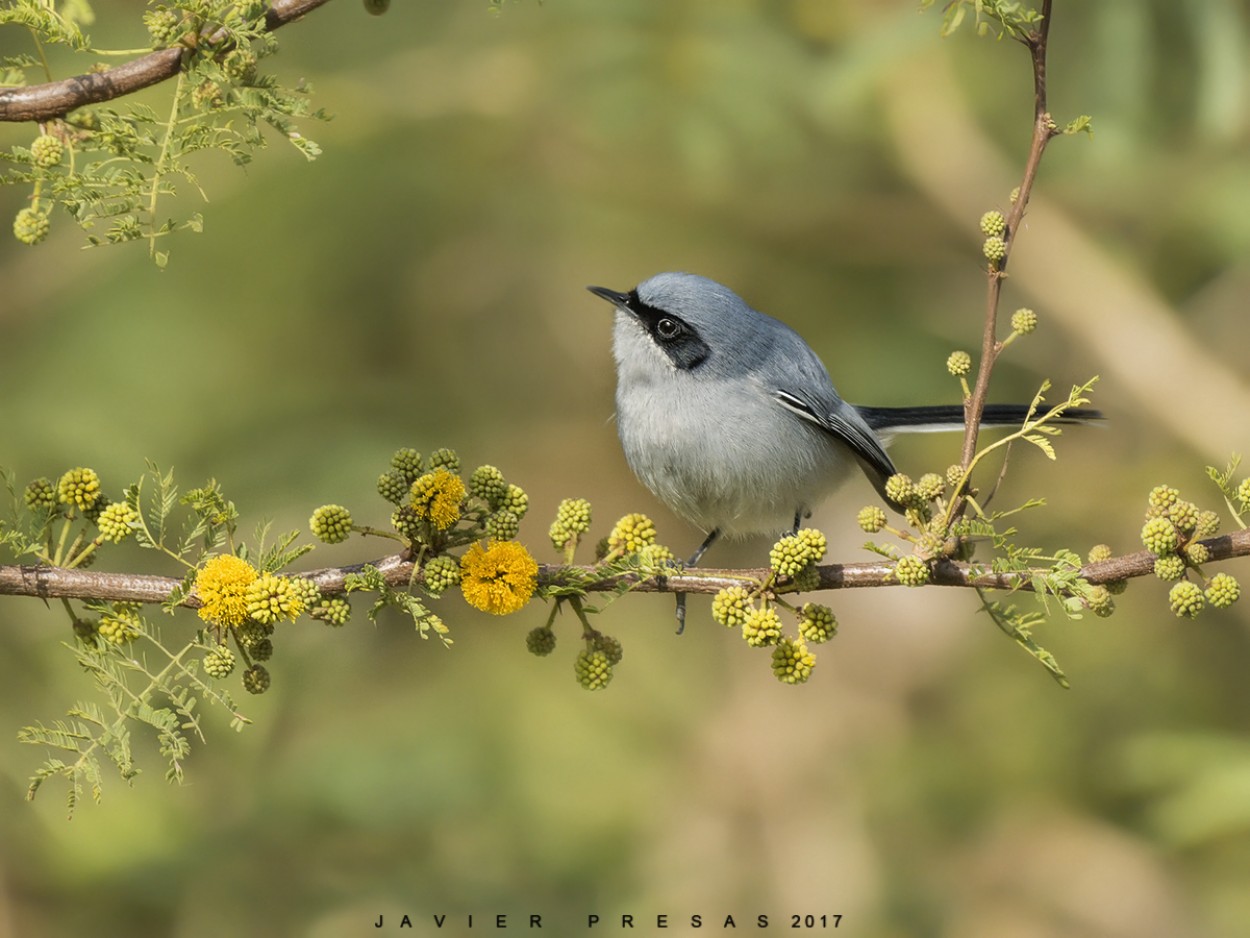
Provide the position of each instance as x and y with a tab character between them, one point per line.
1043	129
59	583
56	99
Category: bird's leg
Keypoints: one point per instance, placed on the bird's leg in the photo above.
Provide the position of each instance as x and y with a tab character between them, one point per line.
799	515
694	559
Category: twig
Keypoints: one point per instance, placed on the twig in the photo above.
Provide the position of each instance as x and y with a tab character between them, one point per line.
56	99
60	583
1043	129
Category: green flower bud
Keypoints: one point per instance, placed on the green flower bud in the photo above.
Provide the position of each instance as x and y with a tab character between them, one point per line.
47	151
488	484
441	573
871	519
335	611
408	462
1100	552
503	525
1243	494
1184	515
331	524
40	495
572	521
1186	599
163	25
817	623
444	459
731	606
1208	524
394	486
959	363
256	679
1223	591
1159	536
219	663
911	571
930	486
121	624
611	647
762	627
1169	567
994	248
993	223
792	662
1024	320
900	489
593	669
1163	497
79	487
541	641
1100	602
117	522
1197	554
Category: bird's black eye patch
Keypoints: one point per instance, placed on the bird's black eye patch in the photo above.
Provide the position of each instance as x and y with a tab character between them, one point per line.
675	337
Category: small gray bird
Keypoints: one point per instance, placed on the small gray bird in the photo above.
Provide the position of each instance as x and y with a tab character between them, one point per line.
730	418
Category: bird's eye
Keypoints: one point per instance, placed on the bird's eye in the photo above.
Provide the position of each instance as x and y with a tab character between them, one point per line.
667	328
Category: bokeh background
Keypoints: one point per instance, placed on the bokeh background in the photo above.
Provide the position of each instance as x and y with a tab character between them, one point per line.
422	284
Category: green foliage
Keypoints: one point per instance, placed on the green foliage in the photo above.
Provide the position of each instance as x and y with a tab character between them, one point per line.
125	162
1013	18
371	580
152	686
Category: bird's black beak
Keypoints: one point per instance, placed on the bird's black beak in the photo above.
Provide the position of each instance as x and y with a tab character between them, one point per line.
619	300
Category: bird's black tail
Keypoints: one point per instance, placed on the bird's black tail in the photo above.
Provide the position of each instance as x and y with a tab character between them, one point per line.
951	417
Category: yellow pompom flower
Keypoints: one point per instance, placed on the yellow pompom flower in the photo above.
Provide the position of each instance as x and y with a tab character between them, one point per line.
222	586
498	578
436	498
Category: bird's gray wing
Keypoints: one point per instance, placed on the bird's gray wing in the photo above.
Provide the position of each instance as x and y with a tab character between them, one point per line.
844	422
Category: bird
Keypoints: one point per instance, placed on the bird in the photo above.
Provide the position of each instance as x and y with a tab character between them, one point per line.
731	419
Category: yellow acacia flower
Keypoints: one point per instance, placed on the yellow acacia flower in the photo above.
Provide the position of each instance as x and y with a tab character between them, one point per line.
222	587
436	497
499	578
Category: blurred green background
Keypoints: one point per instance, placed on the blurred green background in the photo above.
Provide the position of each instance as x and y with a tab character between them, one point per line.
422	284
